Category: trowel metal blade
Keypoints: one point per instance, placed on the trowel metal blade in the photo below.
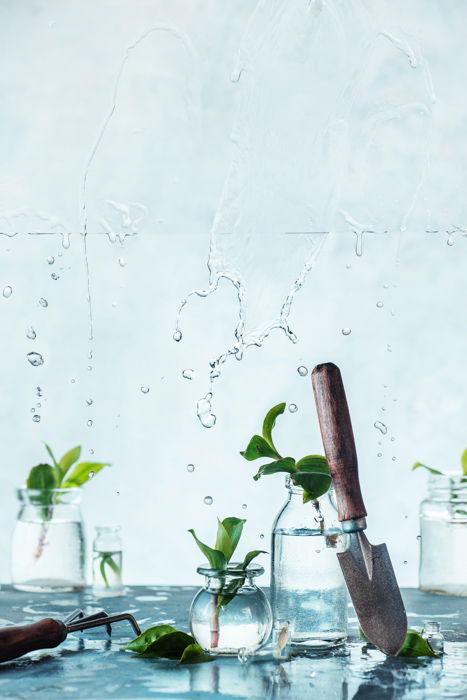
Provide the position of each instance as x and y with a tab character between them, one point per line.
375	594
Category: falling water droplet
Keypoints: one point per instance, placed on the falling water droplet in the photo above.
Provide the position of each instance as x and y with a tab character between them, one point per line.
89	423
405	561
380	454
89	402
51	259
190	467
66	240
188	374
392	439
43	302
359	243
36	418
208	500
261	537
204	411
91	474
214	374
450	241
89	368
38	405
346	331
385	285
122	262
244	506
54	276
293	408
91	451
302	370
393	459
419	537
90	355
7	292
31	333
118	493
35	359
144	389
348	266
381	427
177	336
39	391
379	304
73	381
389	347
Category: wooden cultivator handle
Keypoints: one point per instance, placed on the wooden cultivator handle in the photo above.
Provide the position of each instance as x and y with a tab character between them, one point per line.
16	641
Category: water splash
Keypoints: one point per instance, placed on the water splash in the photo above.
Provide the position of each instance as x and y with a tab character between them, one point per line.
204	411
35	359
188	374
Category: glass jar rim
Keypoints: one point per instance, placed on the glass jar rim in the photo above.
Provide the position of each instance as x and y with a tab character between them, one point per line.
35	492
50	497
251	571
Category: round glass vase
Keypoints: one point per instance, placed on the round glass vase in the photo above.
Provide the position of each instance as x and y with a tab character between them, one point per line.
230	612
307	585
443	536
48	546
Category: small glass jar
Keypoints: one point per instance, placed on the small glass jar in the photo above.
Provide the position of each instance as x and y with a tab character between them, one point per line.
48	547
432	633
443	536
230	612
307	585
107	561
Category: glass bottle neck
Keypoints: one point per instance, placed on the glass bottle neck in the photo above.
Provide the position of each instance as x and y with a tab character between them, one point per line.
448	487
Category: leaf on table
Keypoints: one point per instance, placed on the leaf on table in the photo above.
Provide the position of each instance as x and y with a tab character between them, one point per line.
314	484
285	465
417	465
68	459
146	638
216	559
80	474
169	646
415	645
259	447
270	421
194	654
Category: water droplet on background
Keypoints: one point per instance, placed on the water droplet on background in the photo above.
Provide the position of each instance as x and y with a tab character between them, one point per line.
302	370
177	336
450	241
381	427
35	359
122	262
204	411
39	391
261	537
244	506
89	368
385	285
36	418
91	451
89	423
188	373
389	348
346	331
144	389
405	561
43	302
7	292
190	467
89	402
208	500
293	408
380	454
419	537
51	259
54	276
379	304
31	333
393	459
91	474
392	439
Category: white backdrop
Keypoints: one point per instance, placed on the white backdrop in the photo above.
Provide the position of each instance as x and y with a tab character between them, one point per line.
300	164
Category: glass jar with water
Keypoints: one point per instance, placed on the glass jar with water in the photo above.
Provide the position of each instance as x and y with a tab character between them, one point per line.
107	561
307	585
48	547
443	536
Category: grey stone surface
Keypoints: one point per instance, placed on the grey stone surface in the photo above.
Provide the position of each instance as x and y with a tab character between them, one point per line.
90	665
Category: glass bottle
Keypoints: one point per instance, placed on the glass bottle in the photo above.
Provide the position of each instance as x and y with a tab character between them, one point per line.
230	612
107	561
307	585
48	546
432	634
443	536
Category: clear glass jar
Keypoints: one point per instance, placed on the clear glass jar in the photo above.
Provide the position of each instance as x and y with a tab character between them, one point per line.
307	585
432	633
443	536
230	611
107	561
48	547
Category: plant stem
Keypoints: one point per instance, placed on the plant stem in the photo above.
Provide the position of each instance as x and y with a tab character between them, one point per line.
215	622
43	536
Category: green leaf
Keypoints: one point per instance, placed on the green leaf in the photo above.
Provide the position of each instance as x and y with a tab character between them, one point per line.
193	654
259	447
250	556
464	462
415	645
286	465
233	527
68	459
223	543
270	421
80	474
51	454
228	592
417	465
314	484
169	646
146	638
42	477
216	559
313	463
103	574
107	560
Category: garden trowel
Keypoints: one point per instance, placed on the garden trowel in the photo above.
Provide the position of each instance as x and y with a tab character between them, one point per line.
367	568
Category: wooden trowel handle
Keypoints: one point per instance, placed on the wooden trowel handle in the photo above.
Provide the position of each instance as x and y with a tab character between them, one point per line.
338	440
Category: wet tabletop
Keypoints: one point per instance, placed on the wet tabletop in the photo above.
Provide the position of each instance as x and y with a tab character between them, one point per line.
90	665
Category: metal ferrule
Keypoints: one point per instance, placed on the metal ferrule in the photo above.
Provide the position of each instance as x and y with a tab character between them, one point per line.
354	525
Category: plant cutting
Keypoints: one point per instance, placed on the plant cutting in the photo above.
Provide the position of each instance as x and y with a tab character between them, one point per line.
166	642
64	473
231	577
